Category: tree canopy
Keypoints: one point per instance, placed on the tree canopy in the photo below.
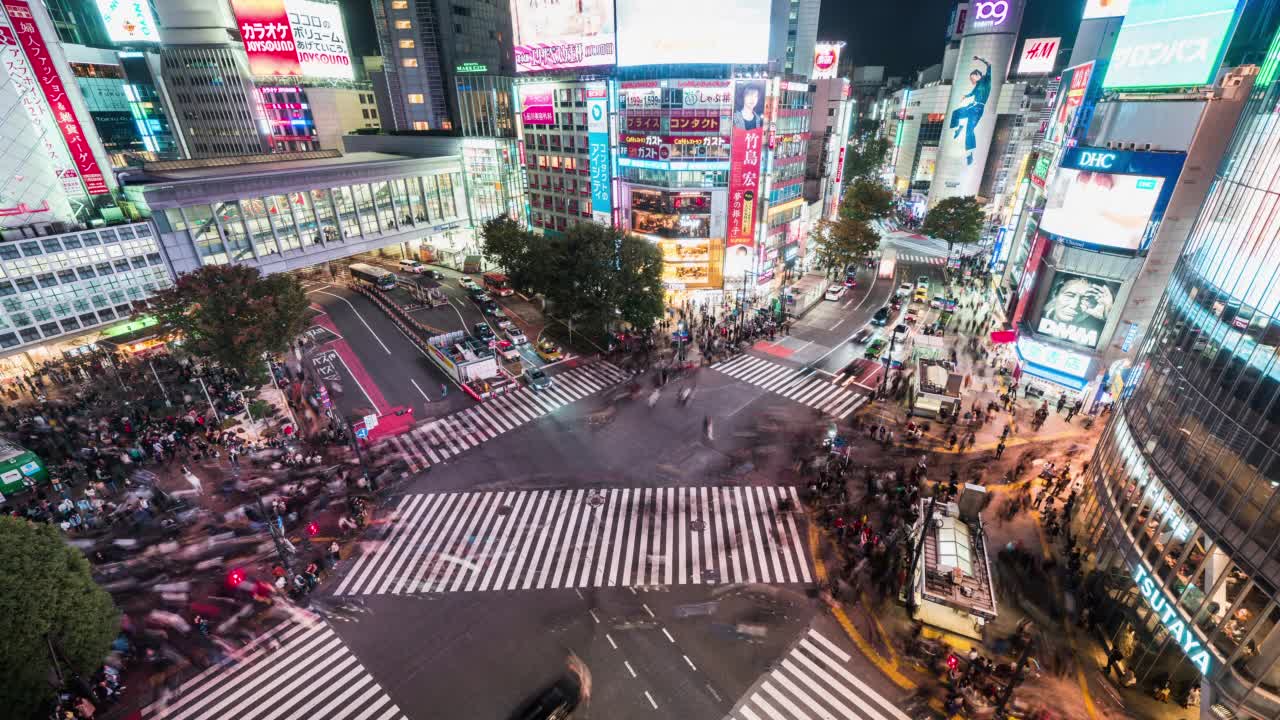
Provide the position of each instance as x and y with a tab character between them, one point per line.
49	604
867	200
843	241
232	314
958	220
865	157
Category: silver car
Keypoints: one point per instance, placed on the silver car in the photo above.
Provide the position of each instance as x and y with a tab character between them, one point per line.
537	379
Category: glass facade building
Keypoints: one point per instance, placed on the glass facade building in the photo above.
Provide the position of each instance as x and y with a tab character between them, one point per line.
1185	509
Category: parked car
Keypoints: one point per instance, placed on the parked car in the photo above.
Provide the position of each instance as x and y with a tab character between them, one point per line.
875	348
835	292
537	379
862	336
881	317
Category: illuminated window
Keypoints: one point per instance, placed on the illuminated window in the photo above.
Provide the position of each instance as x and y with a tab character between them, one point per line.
416	98
399	4
421	125
404	25
409	62
406	44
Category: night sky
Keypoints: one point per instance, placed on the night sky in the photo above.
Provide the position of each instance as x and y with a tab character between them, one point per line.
906	35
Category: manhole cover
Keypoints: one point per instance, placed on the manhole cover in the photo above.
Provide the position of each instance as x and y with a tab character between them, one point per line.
504	509
595	499
697	525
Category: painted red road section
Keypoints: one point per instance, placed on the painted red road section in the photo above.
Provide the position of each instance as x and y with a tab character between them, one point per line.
353	364
768	347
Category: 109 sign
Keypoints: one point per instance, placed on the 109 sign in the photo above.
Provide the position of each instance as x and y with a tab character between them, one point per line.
991	13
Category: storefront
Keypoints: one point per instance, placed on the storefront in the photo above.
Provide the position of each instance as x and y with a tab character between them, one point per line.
1048	371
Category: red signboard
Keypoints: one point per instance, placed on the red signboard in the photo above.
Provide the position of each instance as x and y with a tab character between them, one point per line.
1029	273
33	47
663	147
644	122
745	158
268	37
695	124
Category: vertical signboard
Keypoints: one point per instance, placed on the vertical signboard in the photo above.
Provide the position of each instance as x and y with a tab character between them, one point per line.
826	60
268	37
1029	273
28	37
990	36
598	145
745	158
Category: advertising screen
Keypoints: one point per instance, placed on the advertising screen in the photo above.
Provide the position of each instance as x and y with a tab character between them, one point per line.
537	105
1099	208
294	38
927	164
1170	44
826	59
1038	56
659	32
549	36
744	166
128	21
1077	308
1072	93
1105	8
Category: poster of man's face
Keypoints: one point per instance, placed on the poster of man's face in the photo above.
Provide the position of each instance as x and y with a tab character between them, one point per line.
1077	308
748	104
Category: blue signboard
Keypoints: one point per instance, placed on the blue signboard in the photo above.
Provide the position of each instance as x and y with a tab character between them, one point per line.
598	145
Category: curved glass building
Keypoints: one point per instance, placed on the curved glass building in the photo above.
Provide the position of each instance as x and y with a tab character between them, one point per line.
1185	510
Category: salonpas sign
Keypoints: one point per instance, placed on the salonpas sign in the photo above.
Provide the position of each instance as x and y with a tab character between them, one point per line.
1182	633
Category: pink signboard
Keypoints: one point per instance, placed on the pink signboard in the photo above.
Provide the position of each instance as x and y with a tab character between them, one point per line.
744	161
268	37
31	40
537	107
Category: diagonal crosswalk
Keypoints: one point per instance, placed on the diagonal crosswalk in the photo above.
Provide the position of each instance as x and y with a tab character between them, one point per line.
295	670
814	682
813	389
921	259
433	442
579	538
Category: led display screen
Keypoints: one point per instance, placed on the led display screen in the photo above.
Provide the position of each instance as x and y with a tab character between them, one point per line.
1099	208
128	21
1105	8
1170	43
553	35
294	38
660	32
1076	308
826	60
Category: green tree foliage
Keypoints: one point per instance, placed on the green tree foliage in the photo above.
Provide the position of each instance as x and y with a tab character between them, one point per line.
843	241
866	199
865	157
232	314
639	283
47	599
506	245
958	220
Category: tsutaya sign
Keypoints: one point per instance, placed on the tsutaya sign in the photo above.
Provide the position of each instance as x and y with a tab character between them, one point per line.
1172	620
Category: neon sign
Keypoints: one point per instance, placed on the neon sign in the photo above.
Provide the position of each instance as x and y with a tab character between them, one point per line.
1172	620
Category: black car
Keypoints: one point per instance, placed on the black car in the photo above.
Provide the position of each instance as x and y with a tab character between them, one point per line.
555	703
482	331
862	336
881	317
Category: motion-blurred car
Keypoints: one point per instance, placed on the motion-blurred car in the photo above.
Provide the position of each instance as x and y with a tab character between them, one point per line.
835	292
467	283
862	336
507	350
516	336
904	290
881	317
412	266
874	349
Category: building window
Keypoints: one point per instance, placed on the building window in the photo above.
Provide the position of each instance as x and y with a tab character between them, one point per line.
409	62
404	24
421	125
399	4
406	44
416	99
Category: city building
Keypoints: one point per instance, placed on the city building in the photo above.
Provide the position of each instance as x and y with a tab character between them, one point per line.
126	103
429	47
318	116
830	128
801	29
1184	510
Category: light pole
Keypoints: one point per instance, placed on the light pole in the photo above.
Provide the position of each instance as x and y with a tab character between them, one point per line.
308	370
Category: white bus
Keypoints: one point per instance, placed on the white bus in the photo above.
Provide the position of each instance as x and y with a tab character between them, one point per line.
888	263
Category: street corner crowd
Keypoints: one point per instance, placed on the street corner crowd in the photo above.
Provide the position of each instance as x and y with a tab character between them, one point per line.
174	504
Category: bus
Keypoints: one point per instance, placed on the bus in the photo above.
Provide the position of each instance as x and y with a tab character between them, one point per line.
16	463
375	276
888	263
497	284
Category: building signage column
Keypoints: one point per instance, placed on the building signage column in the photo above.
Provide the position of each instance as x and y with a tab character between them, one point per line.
598	144
745	160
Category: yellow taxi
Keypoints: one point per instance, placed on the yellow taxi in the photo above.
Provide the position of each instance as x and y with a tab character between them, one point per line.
548	351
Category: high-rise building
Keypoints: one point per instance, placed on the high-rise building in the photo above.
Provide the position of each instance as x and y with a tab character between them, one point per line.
1185	510
802	35
428	47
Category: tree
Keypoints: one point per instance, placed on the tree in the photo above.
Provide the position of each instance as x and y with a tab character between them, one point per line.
842	242
958	220
865	157
866	199
231	315
506	244
49	607
639	284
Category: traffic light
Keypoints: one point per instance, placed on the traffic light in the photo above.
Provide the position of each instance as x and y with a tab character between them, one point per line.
953	662
235	577
313	529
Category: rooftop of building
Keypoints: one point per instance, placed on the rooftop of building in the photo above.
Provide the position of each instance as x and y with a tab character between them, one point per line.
956	572
257	165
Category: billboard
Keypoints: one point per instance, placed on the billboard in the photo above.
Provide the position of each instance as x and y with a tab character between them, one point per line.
990	37
1038	57
1077	308
660	32
598	147
1105	8
128	21
550	36
537	105
1073	91
927	165
744	165
1170	44
293	38
826	60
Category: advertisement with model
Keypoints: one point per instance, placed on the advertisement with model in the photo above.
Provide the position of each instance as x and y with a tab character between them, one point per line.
1074	94
669	32
744	166
552	36
1109	200
985	52
294	38
1077	308
1170	44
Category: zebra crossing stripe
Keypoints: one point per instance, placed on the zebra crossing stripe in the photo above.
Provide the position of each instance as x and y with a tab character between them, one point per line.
575	538
818	392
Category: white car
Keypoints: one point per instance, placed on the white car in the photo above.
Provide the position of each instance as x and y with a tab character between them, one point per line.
904	290
835	292
412	266
516	336
505	325
467	283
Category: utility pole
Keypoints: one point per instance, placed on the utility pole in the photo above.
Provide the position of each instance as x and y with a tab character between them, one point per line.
1005	696
308	369
915	556
275	526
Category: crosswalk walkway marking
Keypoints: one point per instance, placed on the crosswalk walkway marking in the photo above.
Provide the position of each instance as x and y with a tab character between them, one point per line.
922	259
438	440
812	389
812	681
298	669
579	538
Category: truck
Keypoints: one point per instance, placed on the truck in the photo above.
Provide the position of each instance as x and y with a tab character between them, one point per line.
469	362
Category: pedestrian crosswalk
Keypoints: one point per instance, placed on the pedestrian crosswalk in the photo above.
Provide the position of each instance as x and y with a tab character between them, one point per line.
436	441
579	538
921	259
298	669
814	680
813	389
